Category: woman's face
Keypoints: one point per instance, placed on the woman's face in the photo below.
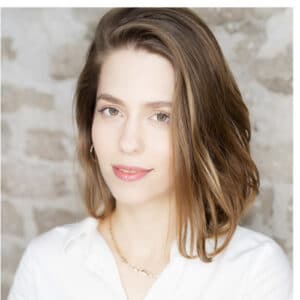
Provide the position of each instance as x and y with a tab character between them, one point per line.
134	132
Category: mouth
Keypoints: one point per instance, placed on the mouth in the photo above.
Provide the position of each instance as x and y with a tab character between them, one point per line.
130	173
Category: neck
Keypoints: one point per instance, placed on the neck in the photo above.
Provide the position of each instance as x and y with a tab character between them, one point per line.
145	230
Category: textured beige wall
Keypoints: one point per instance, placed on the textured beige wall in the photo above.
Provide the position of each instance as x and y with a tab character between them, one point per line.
42	53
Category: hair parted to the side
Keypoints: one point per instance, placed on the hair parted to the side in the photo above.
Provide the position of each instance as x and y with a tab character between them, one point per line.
215	178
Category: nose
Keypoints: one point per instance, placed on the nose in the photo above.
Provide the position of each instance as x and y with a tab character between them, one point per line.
130	139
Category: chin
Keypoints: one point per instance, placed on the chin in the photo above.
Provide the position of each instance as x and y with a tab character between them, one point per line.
135	196
131	201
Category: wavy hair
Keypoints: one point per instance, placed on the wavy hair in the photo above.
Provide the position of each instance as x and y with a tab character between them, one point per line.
216	180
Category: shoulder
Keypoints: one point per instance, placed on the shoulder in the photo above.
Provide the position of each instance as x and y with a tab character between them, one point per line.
52	243
255	246
267	267
246	240
43	259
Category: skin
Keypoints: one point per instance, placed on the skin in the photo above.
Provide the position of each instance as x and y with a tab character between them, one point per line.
135	135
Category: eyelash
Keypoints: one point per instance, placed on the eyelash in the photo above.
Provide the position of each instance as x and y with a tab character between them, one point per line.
107	107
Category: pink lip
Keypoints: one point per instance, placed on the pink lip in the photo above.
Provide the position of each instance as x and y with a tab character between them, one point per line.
131	168
139	172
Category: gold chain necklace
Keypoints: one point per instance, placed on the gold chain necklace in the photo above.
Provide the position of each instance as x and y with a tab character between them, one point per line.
136	269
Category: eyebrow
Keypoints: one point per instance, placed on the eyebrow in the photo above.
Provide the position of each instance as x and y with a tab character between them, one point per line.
116	100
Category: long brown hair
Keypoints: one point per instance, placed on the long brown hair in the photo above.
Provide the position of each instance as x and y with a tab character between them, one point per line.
216	180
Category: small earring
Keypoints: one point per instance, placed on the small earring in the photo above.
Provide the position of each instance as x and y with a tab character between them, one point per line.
91	151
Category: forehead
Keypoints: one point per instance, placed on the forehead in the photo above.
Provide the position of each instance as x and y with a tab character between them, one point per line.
136	76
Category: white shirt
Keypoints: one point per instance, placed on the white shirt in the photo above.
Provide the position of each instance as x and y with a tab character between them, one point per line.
74	261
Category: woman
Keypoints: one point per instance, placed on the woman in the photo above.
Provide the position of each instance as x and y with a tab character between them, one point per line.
163	142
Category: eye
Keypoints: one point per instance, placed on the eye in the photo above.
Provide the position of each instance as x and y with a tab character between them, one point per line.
110	110
163	117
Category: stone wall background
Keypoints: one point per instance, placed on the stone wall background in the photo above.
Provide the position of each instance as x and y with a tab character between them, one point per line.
43	51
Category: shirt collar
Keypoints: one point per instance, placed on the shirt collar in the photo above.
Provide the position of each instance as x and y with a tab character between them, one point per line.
79	230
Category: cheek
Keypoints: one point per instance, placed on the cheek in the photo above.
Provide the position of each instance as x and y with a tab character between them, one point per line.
101	137
101	131
161	149
160	154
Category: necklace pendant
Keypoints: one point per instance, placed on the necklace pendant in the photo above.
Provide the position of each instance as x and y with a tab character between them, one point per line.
124	260
145	272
